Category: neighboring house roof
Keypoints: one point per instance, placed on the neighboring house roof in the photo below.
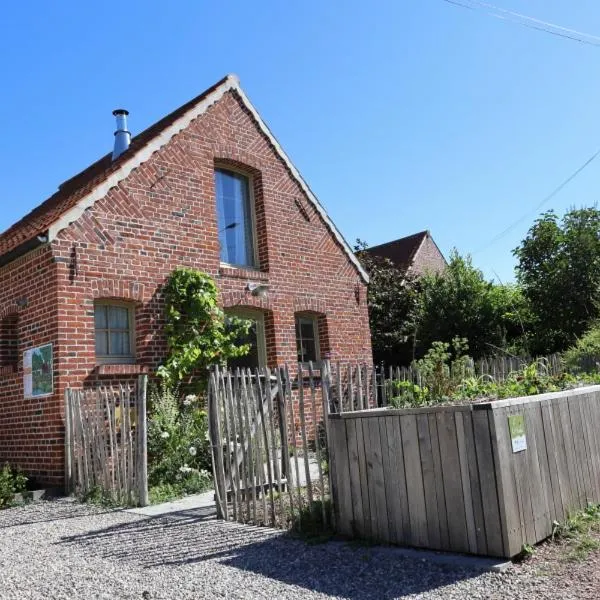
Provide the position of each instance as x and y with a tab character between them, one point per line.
404	251
77	194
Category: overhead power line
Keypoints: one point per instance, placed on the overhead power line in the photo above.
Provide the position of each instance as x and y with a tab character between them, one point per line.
540	204
529	22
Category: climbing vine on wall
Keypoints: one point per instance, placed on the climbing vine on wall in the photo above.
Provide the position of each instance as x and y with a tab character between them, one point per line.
198	332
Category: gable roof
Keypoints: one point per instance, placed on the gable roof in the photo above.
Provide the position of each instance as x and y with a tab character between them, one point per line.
80	192
402	251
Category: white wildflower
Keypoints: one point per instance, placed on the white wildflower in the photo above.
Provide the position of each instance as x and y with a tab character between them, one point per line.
185	469
190	399
193	450
164	435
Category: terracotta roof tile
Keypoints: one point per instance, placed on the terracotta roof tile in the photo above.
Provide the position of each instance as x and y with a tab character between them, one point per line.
402	251
71	191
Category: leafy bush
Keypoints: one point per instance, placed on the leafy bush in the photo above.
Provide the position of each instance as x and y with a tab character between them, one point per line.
11	482
197	333
405	394
179	458
446	376
584	356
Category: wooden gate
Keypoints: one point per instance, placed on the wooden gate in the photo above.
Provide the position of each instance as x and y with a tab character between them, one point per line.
106	442
268	433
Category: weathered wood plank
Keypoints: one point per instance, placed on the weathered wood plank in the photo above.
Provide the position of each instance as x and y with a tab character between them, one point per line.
574	467
428	471
520	464
439	483
455	507
474	478
356	485
340	468
550	444
364	480
512	533
538	486
376	480
464	458
396	484
414	478
568	491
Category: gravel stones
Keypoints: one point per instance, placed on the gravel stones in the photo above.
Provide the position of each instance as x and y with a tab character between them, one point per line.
62	549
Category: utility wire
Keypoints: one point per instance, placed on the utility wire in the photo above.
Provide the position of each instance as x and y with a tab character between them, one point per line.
529	22
540	204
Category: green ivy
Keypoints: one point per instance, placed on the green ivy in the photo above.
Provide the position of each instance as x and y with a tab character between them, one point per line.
198	334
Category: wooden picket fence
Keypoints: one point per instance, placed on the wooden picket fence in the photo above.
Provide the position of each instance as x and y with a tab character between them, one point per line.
268	431
106	442
498	368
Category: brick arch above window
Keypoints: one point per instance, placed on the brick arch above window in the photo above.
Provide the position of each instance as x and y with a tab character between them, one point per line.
244	299
310	304
224	154
131	291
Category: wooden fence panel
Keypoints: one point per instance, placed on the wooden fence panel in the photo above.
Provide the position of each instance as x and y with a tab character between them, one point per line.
106	441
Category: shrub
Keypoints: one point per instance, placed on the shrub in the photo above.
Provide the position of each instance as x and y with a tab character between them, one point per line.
179	457
584	356
198	335
11	482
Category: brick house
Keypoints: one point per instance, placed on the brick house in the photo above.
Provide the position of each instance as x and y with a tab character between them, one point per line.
207	186
415	254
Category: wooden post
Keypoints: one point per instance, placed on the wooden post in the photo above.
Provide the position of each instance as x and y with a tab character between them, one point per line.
68	442
142	434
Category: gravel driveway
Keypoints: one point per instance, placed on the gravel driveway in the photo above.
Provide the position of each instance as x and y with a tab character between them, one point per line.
63	549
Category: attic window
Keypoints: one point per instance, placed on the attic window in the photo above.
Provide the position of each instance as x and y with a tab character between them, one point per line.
235	214
9	341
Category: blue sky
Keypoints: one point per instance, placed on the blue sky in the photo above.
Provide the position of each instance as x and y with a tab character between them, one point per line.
402	115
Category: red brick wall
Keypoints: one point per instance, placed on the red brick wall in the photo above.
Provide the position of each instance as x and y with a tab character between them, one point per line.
428	258
31	430
163	216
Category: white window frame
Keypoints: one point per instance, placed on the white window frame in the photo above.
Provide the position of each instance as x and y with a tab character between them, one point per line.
261	340
255	266
315	323
113	359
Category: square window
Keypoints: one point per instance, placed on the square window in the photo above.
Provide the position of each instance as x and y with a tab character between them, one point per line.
307	339
114	332
235	218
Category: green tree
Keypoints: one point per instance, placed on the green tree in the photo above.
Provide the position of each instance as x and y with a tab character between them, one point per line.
392	300
559	270
461	303
198	335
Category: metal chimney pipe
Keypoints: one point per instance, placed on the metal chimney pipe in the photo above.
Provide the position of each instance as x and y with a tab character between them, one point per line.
122	134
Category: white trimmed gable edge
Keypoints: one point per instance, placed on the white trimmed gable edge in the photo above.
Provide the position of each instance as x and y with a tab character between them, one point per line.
231	83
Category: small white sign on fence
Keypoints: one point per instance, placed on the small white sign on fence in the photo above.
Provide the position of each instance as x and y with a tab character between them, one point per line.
516	426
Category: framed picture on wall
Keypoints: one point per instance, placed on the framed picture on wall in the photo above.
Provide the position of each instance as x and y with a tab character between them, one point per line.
38	371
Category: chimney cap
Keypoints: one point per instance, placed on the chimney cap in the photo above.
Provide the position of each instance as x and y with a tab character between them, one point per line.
120	111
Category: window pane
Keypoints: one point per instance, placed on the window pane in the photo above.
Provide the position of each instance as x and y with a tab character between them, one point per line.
306	339
251	360
119	343
309	350
307	328
118	317
100	316
234	218
101	343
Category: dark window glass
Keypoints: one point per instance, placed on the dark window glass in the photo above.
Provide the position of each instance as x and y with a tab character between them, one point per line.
307	339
